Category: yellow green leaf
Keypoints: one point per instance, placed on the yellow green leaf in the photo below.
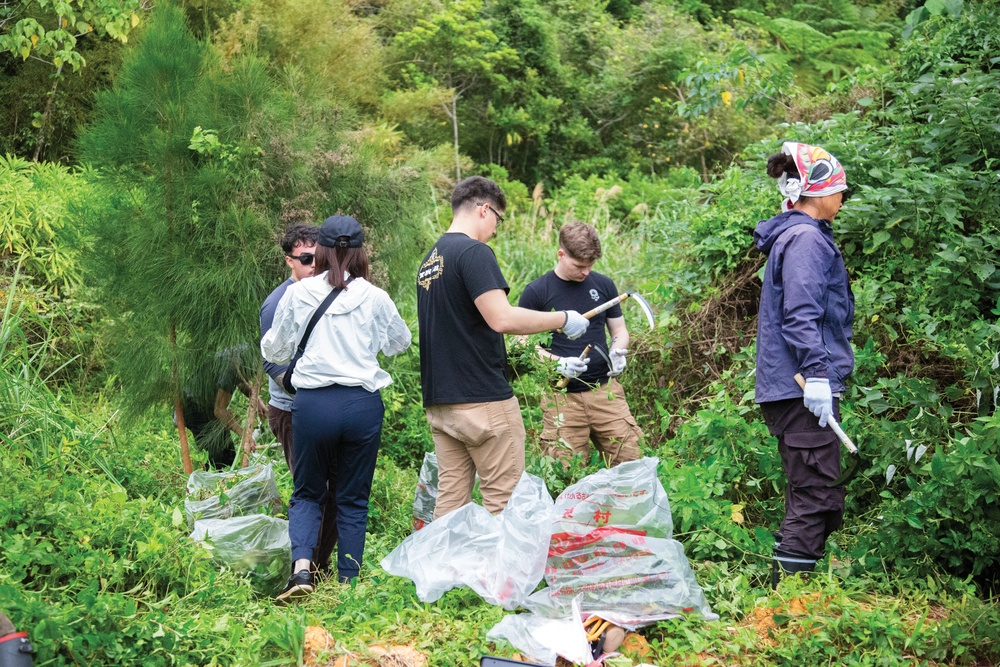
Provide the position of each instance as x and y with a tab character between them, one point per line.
135	19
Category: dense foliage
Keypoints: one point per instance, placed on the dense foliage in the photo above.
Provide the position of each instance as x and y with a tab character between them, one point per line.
156	241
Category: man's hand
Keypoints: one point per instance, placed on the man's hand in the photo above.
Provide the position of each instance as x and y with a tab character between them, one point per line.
617	356
572	367
576	324
818	399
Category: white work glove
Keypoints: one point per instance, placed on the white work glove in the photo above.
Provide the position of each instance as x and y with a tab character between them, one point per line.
572	367
617	356
818	399
576	324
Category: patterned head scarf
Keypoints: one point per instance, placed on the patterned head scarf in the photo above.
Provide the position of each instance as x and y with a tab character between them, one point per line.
821	174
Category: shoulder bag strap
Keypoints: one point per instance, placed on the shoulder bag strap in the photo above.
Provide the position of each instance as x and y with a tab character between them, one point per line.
318	313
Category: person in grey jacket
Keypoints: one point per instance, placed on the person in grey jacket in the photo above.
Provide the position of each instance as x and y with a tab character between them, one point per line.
804	327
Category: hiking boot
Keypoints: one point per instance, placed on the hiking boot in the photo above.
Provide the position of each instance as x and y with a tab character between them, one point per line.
300	585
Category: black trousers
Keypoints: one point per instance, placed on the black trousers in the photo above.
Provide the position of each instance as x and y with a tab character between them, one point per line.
211	435
810	456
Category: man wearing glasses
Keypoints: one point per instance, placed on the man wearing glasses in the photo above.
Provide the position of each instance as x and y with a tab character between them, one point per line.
299	245
463	313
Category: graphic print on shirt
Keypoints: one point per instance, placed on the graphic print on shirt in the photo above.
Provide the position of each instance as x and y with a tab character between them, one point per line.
430	270
594	295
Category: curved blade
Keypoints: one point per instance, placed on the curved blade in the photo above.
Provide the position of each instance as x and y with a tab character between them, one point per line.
607	359
646	308
852	449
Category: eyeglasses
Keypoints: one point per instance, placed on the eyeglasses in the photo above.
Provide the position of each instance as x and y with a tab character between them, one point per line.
846	194
305	258
494	211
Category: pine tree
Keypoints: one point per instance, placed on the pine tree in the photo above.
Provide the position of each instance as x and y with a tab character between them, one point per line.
179	244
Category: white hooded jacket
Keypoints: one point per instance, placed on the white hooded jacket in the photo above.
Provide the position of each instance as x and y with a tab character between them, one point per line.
343	347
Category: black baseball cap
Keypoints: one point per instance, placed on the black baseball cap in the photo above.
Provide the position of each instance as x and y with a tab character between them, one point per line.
341	231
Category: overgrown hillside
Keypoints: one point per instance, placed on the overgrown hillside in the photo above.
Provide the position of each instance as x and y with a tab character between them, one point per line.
155	240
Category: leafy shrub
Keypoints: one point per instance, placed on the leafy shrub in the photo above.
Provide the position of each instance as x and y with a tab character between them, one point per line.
36	224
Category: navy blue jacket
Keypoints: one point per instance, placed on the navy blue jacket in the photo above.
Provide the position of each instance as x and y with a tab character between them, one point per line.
806	307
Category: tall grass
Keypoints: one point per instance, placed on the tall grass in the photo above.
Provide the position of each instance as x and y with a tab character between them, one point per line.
34	424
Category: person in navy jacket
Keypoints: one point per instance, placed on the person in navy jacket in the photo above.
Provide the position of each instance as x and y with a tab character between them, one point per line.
804	327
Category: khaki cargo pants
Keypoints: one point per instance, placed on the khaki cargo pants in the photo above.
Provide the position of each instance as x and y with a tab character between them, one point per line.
487	438
571	420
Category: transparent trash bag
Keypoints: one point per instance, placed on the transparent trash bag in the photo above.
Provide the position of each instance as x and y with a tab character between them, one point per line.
500	557
611	546
255	545
543	639
221	495
425	497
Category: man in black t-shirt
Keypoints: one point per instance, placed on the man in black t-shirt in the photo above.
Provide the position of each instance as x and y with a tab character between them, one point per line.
462	313
593	406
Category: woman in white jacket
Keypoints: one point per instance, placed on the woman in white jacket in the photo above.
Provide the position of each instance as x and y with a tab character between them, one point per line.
337	411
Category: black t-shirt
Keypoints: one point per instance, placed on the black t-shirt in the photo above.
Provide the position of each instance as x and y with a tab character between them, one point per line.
550	292
462	360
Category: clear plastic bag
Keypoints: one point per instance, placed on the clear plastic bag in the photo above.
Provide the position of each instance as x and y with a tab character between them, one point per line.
255	545
500	557
425	497
611	546
543	639
221	495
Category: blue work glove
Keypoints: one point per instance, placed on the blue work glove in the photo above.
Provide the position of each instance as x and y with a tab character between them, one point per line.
818	399
576	324
572	367
617	357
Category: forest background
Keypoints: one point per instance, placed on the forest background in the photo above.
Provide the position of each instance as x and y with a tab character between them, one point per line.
153	154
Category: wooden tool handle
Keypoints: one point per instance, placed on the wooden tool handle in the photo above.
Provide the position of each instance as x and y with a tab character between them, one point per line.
832	422
563	381
607	304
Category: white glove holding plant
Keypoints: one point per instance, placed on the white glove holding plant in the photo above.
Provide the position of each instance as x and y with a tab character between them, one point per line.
572	367
818	399
617	357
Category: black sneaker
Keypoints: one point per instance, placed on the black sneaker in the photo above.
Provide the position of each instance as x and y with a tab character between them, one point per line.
299	585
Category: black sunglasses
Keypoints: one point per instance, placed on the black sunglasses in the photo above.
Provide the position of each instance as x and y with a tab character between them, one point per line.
494	211
305	258
846	194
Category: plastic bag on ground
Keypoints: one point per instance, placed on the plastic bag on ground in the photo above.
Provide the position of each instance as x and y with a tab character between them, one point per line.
256	545
500	557
611	547
425	497
546	638
221	495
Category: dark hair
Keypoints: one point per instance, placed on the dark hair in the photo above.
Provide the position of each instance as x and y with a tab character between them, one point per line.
478	189
337	261
580	241
779	164
300	232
